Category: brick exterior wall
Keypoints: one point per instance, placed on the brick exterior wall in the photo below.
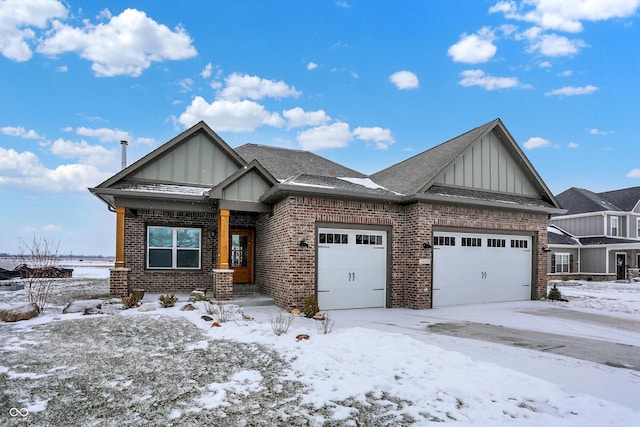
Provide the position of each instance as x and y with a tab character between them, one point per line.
223	285
286	272
165	281
119	282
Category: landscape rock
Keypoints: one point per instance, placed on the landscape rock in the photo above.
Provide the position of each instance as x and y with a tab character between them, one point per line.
21	312
81	306
147	306
188	307
197	296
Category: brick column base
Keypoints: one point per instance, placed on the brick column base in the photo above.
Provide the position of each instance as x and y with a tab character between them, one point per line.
119	282
223	285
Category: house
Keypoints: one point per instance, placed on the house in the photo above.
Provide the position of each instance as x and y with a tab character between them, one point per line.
463	222
598	236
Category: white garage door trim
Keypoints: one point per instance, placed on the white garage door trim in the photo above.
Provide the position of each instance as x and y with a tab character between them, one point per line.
474	267
352	268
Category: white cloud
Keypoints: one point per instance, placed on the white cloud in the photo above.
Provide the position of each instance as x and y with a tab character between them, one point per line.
545	64
51	227
126	45
404	80
297	117
572	145
206	72
21	132
233	116
312	66
381	137
572	91
599	132
479	78
84	152
104	134
24	170
634	173
240	86
553	45
565	15
474	48
185	84
336	135
17	20
536	142
62	69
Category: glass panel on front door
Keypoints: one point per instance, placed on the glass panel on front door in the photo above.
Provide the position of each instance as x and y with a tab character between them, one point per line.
239	250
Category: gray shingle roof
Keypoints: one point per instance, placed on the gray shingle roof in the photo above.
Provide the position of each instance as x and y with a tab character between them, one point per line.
284	163
579	200
626	199
411	175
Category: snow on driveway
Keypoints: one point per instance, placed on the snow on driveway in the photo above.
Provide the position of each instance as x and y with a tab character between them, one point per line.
377	367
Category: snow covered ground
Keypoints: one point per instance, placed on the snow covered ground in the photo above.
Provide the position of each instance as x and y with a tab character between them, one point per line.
376	367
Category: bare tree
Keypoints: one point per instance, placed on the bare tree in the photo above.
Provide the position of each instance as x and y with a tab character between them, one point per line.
39	257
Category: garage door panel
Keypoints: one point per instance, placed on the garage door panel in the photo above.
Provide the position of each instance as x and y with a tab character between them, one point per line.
490	268
351	272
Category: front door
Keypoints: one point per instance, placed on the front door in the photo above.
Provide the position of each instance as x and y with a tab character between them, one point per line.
241	256
621	266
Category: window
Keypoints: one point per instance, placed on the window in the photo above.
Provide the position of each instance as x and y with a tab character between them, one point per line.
496	243
368	239
516	243
172	248
562	263
638	228
444	241
333	238
614	225
472	241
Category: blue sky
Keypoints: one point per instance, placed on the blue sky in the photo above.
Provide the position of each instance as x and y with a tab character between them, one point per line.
364	83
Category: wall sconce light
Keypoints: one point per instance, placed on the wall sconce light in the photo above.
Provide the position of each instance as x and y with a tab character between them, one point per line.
426	245
304	244
546	249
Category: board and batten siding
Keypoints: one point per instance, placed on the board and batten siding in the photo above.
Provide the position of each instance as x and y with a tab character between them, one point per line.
581	226
247	188
488	165
197	160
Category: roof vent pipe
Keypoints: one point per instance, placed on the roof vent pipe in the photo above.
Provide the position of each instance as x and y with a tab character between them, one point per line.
124	153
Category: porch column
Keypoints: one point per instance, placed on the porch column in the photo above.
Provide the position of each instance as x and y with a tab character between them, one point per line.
223	239
120	214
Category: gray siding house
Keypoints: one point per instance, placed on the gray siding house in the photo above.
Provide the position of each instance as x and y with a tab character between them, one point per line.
598	236
463	222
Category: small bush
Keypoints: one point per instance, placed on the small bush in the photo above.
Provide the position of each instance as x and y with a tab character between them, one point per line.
130	301
554	294
167	301
310	306
325	325
280	323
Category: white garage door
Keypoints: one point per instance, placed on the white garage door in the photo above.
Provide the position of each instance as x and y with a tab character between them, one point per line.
352	268
473	268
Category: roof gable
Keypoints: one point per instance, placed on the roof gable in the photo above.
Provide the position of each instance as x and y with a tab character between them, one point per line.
245	185
284	163
198	156
486	158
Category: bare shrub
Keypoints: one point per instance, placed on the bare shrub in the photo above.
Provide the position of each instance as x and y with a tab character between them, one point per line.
325	325
280	323
42	255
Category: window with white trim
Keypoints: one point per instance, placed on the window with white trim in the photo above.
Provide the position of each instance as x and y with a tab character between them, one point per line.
638	228
614	225
173	248
562	263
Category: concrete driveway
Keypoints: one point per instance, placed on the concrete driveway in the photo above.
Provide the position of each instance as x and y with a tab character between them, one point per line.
594	350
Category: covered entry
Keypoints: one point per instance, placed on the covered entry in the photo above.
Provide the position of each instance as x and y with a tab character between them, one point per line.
241	255
352	268
473	268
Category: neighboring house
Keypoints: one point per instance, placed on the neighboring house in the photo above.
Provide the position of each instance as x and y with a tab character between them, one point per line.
463	222
598	236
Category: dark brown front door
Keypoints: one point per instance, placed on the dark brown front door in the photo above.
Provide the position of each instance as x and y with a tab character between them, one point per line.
241	256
